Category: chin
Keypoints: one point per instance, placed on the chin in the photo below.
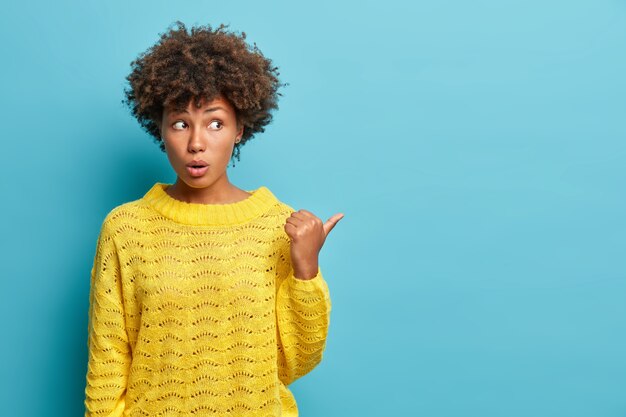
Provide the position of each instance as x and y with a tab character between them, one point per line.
197	182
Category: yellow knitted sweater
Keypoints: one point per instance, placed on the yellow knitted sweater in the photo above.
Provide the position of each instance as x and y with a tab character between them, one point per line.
194	310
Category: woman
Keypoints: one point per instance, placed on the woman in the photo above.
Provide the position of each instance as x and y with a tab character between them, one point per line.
206	299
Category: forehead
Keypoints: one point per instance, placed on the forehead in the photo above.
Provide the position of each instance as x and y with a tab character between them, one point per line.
201	106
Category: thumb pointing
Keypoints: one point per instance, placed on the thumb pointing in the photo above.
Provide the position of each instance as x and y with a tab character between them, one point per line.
330	223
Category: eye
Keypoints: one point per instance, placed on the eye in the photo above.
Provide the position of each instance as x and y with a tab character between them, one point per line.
215	124
178	123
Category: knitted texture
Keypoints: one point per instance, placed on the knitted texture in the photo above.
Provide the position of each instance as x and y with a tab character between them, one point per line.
194	310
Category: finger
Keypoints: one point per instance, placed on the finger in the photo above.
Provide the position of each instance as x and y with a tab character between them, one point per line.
294	221
306	213
303	214
290	228
299	215
310	217
330	223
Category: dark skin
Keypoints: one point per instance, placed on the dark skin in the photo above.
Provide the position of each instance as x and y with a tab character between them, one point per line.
209	133
308	234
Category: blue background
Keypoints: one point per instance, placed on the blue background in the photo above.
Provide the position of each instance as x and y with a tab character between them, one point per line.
476	149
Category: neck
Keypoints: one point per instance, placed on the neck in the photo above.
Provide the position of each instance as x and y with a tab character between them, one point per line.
220	192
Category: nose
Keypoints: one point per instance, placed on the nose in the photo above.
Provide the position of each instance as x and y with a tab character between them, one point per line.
196	141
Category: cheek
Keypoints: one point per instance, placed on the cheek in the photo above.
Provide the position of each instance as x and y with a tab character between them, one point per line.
222	144
175	151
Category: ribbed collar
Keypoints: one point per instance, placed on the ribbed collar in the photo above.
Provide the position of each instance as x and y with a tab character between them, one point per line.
198	214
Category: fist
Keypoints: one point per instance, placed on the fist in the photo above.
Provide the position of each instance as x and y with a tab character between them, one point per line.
307	234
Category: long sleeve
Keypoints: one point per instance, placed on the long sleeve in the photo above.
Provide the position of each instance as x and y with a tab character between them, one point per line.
108	344
303	315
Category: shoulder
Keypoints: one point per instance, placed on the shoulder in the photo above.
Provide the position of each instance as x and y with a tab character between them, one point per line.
123	214
279	206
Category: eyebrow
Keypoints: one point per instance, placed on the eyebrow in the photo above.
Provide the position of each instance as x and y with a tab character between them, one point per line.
210	109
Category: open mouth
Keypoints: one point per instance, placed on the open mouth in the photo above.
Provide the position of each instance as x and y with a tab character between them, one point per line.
197	170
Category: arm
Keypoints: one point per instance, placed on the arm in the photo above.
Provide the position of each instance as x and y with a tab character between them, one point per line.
109	350
303	317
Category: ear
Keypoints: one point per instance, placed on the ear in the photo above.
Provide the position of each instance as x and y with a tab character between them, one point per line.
239	130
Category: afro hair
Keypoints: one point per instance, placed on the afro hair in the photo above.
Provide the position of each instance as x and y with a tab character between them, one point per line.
203	63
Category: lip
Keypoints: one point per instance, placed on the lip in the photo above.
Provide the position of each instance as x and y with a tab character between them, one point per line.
197	172
197	162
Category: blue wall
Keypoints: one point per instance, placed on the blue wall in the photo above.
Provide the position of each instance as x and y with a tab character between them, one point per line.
476	148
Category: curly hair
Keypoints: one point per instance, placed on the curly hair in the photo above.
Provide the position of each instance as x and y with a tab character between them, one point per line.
203	64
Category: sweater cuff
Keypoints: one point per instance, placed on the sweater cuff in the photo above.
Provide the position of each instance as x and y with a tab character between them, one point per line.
315	284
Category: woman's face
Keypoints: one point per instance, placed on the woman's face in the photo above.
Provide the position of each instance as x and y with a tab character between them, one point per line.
204	134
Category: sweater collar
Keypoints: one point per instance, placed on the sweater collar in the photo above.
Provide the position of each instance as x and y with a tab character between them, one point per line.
198	214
